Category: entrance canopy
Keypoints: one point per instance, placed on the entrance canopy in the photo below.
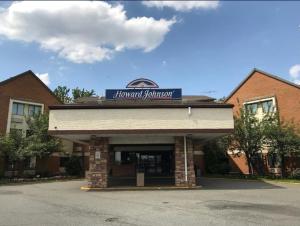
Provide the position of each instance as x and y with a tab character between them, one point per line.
111	119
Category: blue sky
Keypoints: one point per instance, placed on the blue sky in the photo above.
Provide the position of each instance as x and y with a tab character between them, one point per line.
205	50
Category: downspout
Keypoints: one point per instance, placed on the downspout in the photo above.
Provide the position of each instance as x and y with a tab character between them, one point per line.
185	159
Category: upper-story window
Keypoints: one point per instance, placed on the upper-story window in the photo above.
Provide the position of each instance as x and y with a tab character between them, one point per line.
252	107
34	110
18	109
267	106
261	107
26	109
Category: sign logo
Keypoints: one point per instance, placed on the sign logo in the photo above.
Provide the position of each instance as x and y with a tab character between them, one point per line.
142	83
143	89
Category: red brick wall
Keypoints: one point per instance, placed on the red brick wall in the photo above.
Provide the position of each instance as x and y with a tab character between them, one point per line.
260	85
27	88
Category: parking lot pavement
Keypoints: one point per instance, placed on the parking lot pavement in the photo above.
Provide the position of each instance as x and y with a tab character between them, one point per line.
219	202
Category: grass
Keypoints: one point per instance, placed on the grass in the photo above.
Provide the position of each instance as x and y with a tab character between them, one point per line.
254	177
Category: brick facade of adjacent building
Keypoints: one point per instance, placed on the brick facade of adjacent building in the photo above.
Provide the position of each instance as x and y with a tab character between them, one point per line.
260	85
26	87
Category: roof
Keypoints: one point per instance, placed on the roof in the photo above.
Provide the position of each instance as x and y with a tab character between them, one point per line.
264	73
11	79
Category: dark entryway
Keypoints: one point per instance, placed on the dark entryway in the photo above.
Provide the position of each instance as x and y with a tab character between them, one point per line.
155	161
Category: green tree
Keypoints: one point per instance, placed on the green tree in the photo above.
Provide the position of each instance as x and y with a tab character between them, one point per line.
12	145
282	138
247	138
62	93
39	143
77	93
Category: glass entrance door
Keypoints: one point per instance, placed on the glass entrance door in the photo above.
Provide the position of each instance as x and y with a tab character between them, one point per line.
154	163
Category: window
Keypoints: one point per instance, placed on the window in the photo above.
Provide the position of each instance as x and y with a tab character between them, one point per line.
34	110
261	107
252	107
125	157
18	109
267	106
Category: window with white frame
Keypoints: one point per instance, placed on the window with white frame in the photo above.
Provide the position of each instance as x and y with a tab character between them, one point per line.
262	106
24	109
18	108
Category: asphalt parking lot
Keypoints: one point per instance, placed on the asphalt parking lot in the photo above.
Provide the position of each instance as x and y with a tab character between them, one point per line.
219	202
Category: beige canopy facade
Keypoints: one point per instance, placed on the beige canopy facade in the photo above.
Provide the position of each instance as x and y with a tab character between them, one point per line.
166	136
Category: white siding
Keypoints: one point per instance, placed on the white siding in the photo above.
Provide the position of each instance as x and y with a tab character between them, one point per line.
161	118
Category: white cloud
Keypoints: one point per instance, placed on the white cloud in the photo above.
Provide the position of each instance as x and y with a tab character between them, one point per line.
44	77
183	6
81	32
295	73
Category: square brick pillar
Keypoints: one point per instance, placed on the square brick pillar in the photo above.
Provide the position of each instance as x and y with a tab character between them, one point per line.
99	158
180	163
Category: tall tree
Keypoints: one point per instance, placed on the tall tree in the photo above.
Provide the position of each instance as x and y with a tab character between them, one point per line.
39	143
247	138
77	93
282	138
62	93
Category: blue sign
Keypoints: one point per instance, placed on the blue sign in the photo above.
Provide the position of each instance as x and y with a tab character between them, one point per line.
143	94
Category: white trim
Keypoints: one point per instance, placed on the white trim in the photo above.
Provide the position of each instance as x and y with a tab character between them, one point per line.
262	100
11	101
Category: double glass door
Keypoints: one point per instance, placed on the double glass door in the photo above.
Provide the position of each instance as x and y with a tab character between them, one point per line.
154	163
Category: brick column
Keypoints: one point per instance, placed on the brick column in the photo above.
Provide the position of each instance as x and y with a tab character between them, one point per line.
179	163
98	170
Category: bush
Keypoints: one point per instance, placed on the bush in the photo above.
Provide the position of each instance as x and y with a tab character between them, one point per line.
74	166
216	160
295	174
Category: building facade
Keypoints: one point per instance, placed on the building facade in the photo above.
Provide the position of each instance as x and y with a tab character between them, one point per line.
23	96
156	132
262	92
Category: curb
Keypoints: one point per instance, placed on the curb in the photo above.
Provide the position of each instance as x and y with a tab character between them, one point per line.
85	188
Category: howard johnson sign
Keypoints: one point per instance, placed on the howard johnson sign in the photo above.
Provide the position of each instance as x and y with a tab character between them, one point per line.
142	89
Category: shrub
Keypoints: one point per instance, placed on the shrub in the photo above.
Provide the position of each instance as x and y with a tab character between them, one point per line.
295	174
74	166
216	160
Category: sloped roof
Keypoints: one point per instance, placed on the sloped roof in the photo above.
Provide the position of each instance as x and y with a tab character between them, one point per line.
264	73
11	79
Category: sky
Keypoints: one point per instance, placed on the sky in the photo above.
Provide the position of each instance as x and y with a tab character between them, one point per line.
205	48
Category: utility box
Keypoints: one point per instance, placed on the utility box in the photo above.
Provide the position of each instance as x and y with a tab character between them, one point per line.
140	179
